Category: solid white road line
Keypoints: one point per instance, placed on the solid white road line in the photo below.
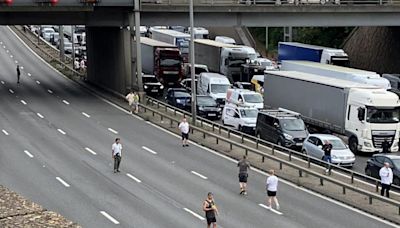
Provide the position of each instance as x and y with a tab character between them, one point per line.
270	208
63	182
5	132
37	82
149	150
194	214
61	131
51	92
133	178
29	74
113	131
11	91
109	217
23	102
65	102
89	150
40	115
27	153
199	175
85	114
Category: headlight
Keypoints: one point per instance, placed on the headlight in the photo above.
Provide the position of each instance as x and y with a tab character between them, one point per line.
178	101
219	109
145	86
367	144
201	108
287	136
161	87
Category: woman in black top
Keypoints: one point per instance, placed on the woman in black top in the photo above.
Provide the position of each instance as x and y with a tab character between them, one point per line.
211	210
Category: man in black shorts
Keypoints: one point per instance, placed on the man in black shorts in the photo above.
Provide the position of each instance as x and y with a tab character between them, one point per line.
184	128
243	165
272	187
211	210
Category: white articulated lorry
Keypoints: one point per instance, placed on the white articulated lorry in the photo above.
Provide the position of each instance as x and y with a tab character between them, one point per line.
339	72
367	115
226	59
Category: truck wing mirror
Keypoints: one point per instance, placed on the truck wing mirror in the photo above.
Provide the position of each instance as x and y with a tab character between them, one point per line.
361	114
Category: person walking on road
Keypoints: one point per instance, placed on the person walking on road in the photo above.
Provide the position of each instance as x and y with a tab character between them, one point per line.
243	165
327	148
184	128
116	154
272	188
211	210
385	146
18	73
133	101
386	175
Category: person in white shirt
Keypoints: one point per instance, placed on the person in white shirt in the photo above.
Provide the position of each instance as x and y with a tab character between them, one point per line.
116	154
386	175
184	128
272	188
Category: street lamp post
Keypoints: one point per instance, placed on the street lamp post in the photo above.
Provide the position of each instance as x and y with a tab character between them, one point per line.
138	50
192	70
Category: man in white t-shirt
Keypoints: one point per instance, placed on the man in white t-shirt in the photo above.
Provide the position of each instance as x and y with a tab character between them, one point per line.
272	188
116	154
386	175
184	128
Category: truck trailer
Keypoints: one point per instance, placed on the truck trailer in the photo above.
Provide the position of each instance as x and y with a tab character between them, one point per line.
226	59
366	114
178	39
314	53
162	60
339	72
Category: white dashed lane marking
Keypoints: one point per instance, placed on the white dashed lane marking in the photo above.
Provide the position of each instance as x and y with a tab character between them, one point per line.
85	114
149	150
90	150
199	175
65	102
50	91
2	82
61	131
113	131
37	82
194	214
27	153
5	132
271	209
63	182
23	102
11	91
133	178
29	74
109	217
40	115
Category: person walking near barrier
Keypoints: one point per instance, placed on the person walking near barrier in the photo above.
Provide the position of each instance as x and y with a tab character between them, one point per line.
18	73
386	175
243	165
116	154
272	188
133	101
211	210
184	128
327	148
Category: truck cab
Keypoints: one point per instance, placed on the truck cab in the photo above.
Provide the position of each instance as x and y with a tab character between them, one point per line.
214	85
245	97
335	57
232	59
373	117
242	118
169	67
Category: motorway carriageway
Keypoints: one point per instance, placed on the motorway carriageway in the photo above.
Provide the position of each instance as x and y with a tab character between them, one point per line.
56	150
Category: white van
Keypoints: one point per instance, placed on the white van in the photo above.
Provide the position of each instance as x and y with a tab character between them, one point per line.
241	118
225	40
245	97
214	85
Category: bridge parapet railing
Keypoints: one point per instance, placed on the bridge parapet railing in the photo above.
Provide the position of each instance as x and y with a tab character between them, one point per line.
245	3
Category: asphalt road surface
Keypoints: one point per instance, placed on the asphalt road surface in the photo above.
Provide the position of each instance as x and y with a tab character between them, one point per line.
55	149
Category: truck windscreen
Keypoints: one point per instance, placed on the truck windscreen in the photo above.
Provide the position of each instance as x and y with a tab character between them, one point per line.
170	62
219	88
375	115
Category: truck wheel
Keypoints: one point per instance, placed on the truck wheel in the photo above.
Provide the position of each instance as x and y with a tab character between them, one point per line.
353	144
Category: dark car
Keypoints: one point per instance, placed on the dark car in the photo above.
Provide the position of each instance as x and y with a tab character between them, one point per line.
375	163
281	127
179	98
152	86
208	108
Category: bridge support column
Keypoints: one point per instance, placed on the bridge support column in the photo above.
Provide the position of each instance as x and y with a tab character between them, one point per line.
109	58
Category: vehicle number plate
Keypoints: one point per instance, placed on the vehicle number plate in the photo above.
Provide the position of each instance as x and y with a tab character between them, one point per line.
299	144
212	114
154	90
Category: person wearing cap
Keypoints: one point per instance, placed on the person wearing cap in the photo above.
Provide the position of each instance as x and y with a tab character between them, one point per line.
386	175
211	210
327	148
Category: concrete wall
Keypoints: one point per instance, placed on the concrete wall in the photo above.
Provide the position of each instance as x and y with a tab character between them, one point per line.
108	52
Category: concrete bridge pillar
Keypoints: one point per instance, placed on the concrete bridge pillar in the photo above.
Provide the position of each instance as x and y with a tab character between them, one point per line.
109	57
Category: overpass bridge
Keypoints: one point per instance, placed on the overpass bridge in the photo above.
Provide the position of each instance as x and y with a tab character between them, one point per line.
109	37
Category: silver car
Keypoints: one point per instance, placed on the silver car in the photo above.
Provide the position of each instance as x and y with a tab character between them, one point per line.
340	154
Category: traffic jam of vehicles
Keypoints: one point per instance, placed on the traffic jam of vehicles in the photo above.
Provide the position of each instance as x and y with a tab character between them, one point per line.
309	97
